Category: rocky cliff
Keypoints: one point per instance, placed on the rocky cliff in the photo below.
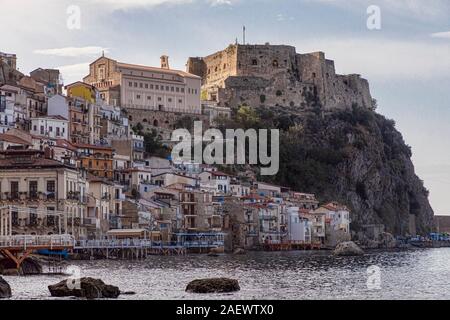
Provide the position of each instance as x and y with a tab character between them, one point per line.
353	156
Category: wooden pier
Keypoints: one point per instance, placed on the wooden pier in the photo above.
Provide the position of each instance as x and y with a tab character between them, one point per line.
18	247
126	249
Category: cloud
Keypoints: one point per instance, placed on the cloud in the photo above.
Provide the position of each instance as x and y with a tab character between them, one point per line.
282	17
418	9
72	51
442	35
131	4
385	59
74	72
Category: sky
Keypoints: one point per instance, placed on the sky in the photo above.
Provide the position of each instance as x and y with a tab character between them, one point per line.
407	60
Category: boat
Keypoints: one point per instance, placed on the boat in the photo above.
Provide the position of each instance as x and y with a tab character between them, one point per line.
46	252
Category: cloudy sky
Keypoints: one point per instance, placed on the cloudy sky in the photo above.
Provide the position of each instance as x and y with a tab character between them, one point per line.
407	61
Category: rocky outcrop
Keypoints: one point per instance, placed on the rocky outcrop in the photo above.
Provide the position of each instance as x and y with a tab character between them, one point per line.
89	288
355	157
5	289
348	249
214	285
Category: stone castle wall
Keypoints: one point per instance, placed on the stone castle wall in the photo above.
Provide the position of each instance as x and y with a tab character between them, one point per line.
163	122
275	75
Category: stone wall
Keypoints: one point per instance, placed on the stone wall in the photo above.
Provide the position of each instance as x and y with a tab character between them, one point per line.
275	75
164	122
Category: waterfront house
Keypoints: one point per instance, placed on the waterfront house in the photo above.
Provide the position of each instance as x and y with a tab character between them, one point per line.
48	196
299	227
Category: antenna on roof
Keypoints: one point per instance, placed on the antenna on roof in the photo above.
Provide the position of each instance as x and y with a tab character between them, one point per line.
103	53
243	34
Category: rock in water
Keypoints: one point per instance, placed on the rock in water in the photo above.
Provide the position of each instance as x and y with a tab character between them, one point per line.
5	289
214	285
347	249
32	265
89	288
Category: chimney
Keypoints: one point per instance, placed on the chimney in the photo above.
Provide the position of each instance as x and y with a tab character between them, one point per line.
165	62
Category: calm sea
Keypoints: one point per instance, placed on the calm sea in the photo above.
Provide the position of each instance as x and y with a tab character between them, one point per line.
415	274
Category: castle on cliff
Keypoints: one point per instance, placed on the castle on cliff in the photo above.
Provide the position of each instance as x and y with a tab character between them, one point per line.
276	75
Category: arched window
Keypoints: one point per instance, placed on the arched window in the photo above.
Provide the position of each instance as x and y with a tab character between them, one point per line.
155	123
254	62
275	63
130	118
144	120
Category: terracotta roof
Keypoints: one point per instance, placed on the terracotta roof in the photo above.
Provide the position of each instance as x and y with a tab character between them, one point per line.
62	143
91	146
35	163
55	117
13	139
219	173
155	69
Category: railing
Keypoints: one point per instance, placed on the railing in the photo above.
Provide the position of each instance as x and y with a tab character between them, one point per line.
139	243
29	241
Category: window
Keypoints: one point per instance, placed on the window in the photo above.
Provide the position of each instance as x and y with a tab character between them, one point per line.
149	98
130	84
157	87
58	131
138	96
141	85
146	86
32	189
14	189
172	89
182	90
254	62
159	99
167	88
34	128
42	130
180	101
151	86
170	99
177	89
51	186
50	129
135	84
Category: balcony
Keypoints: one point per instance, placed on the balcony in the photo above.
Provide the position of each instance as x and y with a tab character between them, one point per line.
73	195
268	217
50	196
106	196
